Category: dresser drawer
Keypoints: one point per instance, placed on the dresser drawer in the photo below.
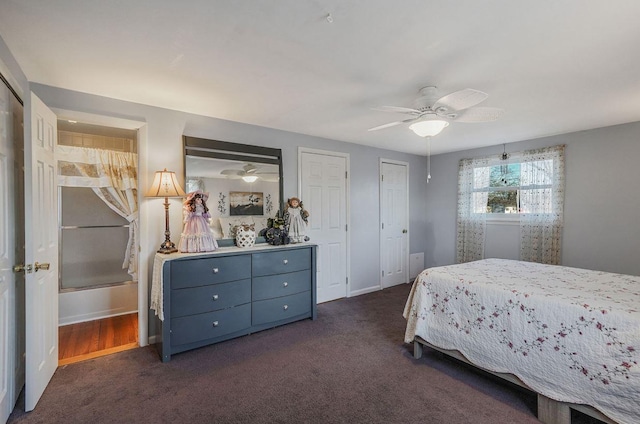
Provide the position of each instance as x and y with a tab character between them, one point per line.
271	310
209	325
204	271
278	262
196	300
270	286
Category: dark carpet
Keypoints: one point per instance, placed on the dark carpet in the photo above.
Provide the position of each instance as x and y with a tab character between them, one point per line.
349	366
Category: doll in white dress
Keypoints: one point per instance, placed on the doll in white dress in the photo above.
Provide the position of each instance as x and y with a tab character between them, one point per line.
296	218
197	235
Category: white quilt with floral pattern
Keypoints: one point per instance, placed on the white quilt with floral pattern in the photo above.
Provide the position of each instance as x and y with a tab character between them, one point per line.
570	334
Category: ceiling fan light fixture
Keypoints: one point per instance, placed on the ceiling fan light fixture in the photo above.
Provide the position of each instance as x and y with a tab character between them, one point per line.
250	178
428	127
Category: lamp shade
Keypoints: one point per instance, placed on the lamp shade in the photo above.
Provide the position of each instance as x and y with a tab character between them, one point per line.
165	184
428	127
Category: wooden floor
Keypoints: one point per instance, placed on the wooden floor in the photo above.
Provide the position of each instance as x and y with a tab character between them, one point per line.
87	340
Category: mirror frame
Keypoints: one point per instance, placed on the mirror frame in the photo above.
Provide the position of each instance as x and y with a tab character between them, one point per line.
216	149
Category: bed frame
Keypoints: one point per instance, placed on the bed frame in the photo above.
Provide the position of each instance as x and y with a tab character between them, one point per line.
549	411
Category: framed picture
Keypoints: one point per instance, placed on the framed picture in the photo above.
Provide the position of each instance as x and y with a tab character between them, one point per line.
245	203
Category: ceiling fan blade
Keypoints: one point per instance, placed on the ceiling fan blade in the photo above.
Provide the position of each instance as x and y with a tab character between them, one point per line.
393	124
249	168
398	109
480	114
390	124
461	99
232	172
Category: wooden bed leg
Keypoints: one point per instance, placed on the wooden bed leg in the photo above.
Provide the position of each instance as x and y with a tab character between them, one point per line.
417	349
553	412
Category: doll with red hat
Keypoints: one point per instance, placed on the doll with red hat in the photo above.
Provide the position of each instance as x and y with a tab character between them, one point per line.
197	235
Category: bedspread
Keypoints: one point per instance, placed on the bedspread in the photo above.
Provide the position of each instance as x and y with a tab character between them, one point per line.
570	334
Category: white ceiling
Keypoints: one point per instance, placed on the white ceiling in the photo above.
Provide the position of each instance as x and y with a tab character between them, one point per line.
554	66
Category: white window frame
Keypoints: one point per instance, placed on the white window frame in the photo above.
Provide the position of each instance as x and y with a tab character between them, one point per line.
507	218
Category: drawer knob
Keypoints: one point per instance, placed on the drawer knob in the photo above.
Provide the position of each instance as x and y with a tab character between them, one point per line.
285	284
215	297
285	307
215	270
215	323
286	261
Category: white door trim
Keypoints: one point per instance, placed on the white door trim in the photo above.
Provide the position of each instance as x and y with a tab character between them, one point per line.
407	244
346	157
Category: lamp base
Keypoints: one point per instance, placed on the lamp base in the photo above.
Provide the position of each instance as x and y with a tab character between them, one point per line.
167	247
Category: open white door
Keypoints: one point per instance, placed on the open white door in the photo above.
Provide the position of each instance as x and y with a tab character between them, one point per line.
394	225
41	250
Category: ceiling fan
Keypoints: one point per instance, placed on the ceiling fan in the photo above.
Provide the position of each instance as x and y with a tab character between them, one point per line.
250	173
431	113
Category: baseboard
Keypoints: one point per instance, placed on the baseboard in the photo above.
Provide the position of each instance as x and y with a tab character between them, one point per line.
364	291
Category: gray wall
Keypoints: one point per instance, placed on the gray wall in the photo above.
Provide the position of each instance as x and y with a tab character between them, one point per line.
12	71
164	149
602	202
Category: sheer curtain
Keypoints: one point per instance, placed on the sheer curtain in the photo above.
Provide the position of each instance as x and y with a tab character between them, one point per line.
473	181
541	204
113	177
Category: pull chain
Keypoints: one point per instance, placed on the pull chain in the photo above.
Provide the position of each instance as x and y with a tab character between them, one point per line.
428	159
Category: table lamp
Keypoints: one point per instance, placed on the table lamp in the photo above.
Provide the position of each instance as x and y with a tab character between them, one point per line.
166	185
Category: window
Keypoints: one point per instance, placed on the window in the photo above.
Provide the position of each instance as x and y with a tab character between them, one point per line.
514	188
529	189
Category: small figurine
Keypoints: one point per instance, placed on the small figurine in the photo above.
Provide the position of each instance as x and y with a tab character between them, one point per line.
197	235
296	220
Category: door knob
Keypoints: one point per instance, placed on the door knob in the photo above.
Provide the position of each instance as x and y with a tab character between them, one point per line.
404	231
44	267
23	268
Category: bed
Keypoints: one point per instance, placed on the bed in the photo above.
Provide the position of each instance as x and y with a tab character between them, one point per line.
571	335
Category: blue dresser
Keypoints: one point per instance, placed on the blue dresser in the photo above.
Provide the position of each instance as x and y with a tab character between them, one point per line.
233	292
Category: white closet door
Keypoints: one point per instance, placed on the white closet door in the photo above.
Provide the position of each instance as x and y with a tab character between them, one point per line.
323	192
7	258
394	223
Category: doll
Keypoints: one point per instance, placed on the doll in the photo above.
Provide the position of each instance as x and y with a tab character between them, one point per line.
197	235
296	220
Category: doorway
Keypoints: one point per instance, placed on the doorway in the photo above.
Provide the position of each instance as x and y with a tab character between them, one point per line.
394	222
98	293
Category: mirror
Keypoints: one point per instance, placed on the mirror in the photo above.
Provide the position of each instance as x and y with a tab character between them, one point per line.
244	183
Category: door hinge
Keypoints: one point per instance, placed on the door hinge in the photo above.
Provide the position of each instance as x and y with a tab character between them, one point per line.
383	273
383	225
382	177
346	175
347	281
346	227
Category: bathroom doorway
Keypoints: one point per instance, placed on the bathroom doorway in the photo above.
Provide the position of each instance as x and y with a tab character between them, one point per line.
97	233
